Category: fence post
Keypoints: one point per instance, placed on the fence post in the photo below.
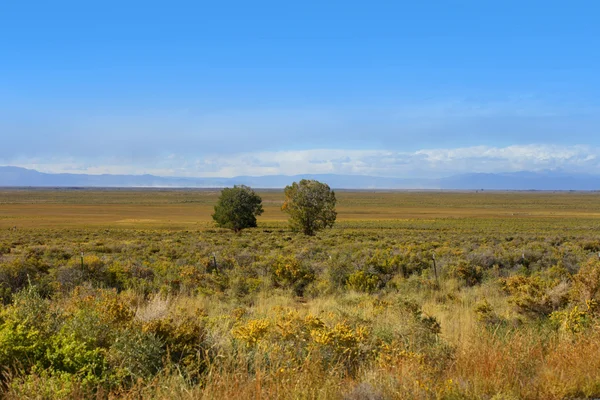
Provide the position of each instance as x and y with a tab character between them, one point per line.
214	263
437	281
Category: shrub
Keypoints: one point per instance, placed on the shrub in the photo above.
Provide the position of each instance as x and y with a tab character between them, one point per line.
135	354
17	274
586	283
342	343
68	277
252	331
25	332
534	296
572	321
486	315
4	248
183	341
68	354
362	281
291	273
48	384
470	274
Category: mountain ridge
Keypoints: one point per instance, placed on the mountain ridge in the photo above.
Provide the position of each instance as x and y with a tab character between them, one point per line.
11	176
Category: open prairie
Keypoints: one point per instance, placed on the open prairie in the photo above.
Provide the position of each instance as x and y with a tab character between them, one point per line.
428	295
183	209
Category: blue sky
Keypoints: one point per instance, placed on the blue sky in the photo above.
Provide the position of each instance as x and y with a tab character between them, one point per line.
201	88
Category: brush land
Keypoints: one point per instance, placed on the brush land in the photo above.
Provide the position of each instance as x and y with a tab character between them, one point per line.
426	295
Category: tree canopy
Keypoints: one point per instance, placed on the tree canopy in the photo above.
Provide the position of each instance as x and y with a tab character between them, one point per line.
310	205
237	208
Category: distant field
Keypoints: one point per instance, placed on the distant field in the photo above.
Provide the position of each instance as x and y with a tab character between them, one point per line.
182	209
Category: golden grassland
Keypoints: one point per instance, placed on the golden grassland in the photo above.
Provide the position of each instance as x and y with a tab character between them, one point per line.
181	209
424	295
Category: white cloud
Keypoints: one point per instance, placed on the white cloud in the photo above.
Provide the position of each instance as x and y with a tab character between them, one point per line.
422	163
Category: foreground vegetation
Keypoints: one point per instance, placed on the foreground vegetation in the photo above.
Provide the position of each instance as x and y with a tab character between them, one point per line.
410	295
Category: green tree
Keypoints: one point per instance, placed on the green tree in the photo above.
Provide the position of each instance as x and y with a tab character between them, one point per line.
237	208
311	206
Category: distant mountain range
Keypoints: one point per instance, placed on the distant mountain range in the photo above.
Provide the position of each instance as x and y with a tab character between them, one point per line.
547	180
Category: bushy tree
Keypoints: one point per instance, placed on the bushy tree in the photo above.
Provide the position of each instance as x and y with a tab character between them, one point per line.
311	206
237	208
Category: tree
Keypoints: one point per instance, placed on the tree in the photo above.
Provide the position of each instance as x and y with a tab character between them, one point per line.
311	206
237	208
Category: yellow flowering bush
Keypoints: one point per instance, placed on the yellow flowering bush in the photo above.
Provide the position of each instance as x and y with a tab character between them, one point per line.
252	331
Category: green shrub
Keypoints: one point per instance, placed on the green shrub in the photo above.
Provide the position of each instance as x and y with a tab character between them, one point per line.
289	272
470	274
17	274
135	354
66	353
4	248
362	281
47	384
183	341
572	321
534	296
586	283
26	328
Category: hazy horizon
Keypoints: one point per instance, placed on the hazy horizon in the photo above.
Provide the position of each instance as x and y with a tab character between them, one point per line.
546	180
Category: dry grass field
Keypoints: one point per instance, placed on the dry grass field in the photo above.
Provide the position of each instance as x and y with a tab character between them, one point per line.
426	295
183	209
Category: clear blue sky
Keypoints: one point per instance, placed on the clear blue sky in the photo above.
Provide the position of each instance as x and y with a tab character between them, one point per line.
203	88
